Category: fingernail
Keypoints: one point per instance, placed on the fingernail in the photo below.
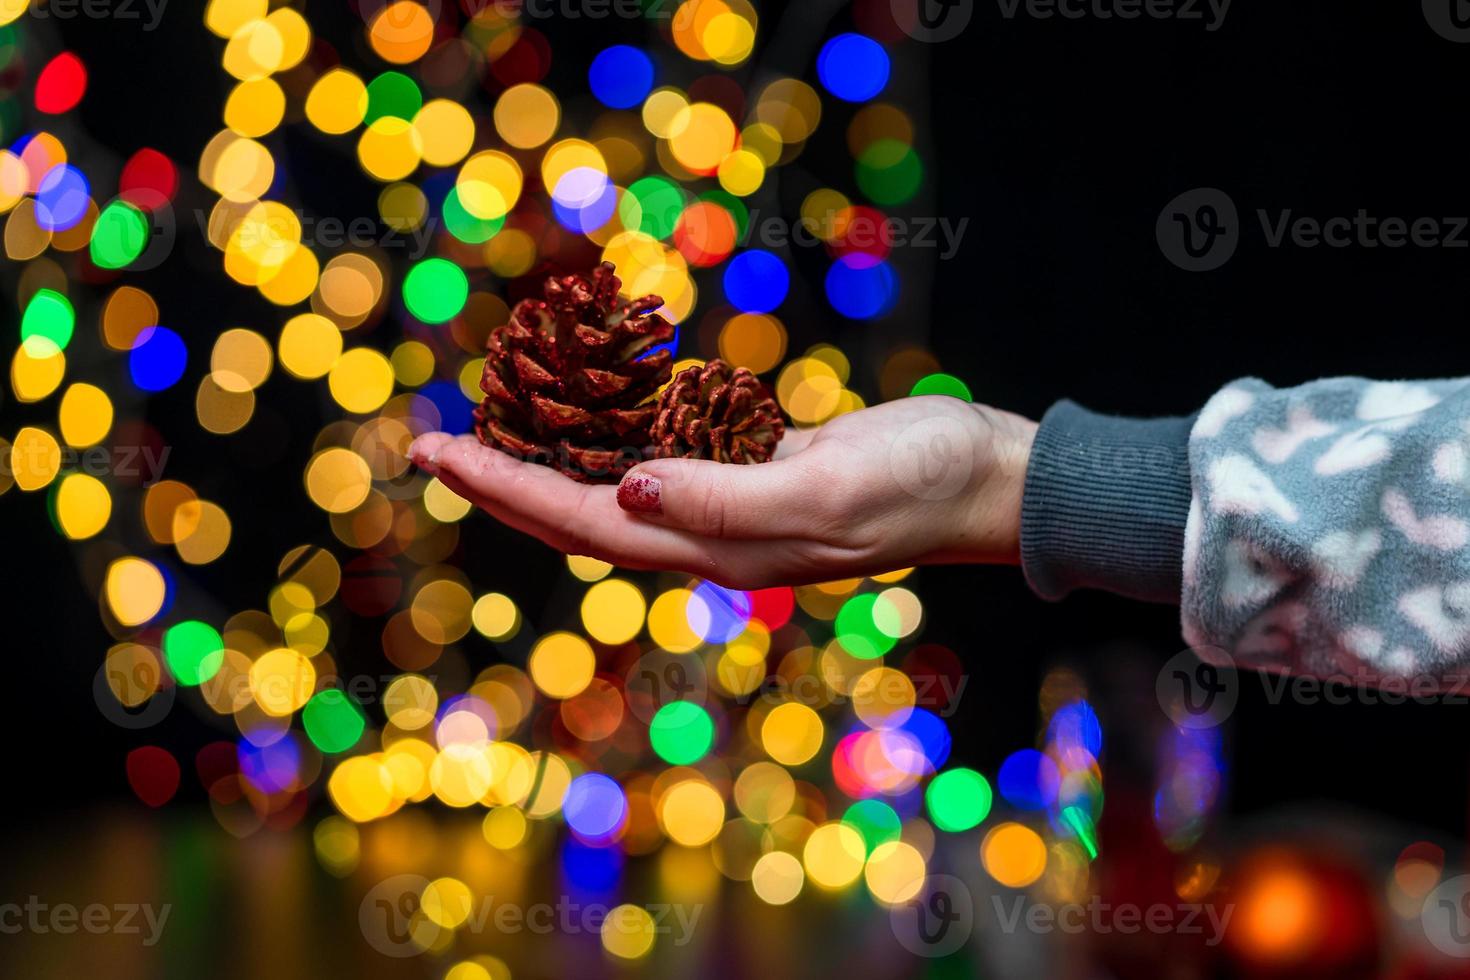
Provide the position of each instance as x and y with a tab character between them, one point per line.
639	493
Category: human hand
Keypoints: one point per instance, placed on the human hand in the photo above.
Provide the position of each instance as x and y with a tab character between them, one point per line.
921	480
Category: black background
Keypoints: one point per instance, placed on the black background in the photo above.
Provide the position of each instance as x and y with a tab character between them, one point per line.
1061	140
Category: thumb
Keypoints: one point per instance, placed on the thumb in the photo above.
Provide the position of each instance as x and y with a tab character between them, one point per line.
722	500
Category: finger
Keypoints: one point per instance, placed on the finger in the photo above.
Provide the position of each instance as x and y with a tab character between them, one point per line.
722	500
570	516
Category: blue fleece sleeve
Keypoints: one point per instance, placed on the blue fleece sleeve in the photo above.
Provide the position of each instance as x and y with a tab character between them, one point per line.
1328	527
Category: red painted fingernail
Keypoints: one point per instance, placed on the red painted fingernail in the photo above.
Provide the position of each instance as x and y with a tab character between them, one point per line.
639	493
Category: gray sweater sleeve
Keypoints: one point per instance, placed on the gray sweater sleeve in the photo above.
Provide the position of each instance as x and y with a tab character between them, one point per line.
1327	527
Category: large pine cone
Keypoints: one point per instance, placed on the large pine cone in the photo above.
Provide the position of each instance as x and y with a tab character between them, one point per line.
718	412
564	383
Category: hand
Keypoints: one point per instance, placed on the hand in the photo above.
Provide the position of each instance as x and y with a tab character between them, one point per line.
915	481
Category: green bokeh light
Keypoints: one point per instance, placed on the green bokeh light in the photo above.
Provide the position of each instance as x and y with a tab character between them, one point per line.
392	94
653	206
875	821
194	651
681	733
866	628
435	290
49	315
120	236
958	799
889	172
333	721
465	226
942	384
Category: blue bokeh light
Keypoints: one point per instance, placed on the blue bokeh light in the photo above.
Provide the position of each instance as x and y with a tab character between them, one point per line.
718	614
756	281
853	67
62	198
594	806
862	287
157	359
1029	780
621	76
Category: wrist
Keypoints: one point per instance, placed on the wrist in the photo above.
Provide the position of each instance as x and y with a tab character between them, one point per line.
989	531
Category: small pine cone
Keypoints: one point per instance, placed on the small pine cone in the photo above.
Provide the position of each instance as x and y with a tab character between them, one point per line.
717	412
569	381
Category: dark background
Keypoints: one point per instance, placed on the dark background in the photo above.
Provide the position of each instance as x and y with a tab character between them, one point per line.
1061	141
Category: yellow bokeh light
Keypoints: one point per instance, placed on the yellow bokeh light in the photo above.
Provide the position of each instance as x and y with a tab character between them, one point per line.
692	813
255	108
894	872
37	369
777	878
338	102
668	622
35	458
361	380
362	788
135	590
86	415
628	932
612	611
310	345
527	115
241	360
447	901
446	132
700	136
495	616
83	506
792	733
589	569
390	148
1013	854
338	480
834	855
443	504
561	665
281	681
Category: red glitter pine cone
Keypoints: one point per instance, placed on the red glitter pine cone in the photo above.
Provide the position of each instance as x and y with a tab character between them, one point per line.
566	381
717	412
